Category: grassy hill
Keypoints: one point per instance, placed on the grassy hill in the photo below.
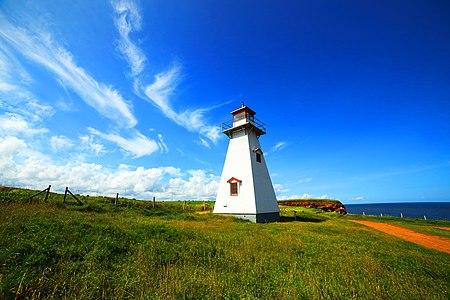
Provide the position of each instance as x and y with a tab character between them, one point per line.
178	250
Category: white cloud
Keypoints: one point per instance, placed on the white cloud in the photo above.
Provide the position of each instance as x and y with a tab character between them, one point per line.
23	118
211	132
13	124
140	180
137	145
6	87
24	104
20	167
36	111
306	196
199	185
280	188
60	143
38	46
9	147
360	198
88	144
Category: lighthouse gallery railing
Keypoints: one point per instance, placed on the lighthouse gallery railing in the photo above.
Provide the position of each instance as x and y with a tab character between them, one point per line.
257	123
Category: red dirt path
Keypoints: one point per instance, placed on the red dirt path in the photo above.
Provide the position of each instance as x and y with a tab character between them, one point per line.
427	240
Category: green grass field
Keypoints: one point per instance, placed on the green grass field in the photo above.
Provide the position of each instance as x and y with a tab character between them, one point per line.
134	251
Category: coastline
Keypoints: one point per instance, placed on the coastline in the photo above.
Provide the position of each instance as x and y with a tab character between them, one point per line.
415	210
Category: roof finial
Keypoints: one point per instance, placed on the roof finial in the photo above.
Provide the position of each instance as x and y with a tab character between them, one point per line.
243	104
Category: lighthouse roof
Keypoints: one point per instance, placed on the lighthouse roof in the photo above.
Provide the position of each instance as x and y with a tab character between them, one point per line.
243	108
243	117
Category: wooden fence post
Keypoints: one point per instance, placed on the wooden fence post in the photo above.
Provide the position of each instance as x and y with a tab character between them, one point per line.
154	202
79	202
75	197
44	190
115	200
48	191
65	194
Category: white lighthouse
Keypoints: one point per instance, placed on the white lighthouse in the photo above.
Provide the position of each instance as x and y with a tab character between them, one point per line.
245	189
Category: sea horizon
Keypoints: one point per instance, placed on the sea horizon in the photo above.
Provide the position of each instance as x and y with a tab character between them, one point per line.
419	210
395	202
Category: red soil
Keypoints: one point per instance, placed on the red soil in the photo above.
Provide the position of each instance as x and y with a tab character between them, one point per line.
443	228
427	240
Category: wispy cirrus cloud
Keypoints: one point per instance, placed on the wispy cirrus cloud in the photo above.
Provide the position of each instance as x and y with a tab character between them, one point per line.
304	180
158	93
89	145
127	20
277	147
37	45
162	145
137	145
12	73
203	142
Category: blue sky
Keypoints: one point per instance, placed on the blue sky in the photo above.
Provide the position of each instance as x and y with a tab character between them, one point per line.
128	96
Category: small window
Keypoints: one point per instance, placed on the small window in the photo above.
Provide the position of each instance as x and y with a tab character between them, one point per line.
258	157
238	117
233	188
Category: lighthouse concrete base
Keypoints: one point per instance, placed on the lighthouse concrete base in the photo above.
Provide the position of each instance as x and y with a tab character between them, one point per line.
258	218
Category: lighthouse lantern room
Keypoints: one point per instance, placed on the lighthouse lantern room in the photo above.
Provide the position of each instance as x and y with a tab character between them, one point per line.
245	189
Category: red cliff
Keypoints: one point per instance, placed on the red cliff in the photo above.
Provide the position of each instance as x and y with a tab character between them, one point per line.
323	204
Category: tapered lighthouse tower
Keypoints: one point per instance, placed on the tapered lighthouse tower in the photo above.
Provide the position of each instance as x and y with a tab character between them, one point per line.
245	189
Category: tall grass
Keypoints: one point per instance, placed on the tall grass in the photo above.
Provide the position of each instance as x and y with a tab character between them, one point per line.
132	251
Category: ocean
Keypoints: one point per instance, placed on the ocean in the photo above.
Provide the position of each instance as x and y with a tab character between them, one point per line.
429	210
